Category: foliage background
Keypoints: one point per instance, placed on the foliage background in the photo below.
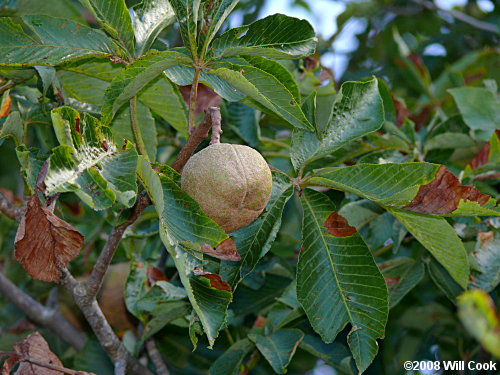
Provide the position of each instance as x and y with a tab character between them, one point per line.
396	41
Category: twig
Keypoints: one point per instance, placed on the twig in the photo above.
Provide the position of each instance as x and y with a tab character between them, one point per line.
154	354
41	315
9	210
485	26
198	134
216	127
93	283
136	129
193	98
97	321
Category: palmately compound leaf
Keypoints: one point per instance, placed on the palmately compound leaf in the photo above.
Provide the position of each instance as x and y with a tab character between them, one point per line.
338	281
277	36
135	77
89	163
358	110
54	41
149	18
114	17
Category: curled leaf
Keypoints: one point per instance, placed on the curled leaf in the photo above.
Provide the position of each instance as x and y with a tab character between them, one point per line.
226	250
45	243
215	280
443	195
337	226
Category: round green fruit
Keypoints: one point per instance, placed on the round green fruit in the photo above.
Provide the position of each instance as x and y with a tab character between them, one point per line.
231	183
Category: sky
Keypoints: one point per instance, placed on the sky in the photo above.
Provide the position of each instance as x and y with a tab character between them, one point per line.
323	16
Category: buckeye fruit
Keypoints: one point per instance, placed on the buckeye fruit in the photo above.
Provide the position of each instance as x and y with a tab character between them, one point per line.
231	183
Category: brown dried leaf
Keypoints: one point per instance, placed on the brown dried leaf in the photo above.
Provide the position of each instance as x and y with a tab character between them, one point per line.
483	156
21	326
215	280
337	226
226	250
443	194
155	275
34	347
6	106
44	242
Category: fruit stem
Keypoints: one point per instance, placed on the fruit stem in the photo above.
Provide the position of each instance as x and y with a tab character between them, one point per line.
135	128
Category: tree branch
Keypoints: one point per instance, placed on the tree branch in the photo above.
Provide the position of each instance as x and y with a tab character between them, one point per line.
97	321
212	119
94	282
9	210
42	316
154	354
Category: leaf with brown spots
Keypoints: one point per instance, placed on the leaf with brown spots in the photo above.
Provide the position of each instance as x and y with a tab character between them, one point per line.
443	195
337	226
45	243
226	250
215	280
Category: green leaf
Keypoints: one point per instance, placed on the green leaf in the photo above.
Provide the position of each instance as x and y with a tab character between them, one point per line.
358	110
480	109
216	11
181	218
254	241
399	184
279	347
209	302
333	354
93	358
54	8
165	100
114	17
230	362
183	75
338	282
54	41
444	281
163	314
277	37
122	128
149	18
31	162
391	184
13	127
89	163
479	316
136	289
47	75
439	237
187	13
244	120
89	80
135	77
161	292
487	257
401	276
265	88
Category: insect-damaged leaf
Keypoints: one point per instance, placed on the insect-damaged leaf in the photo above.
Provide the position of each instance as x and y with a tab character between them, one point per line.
226	250
89	163
337	226
443	195
418	187
44	242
